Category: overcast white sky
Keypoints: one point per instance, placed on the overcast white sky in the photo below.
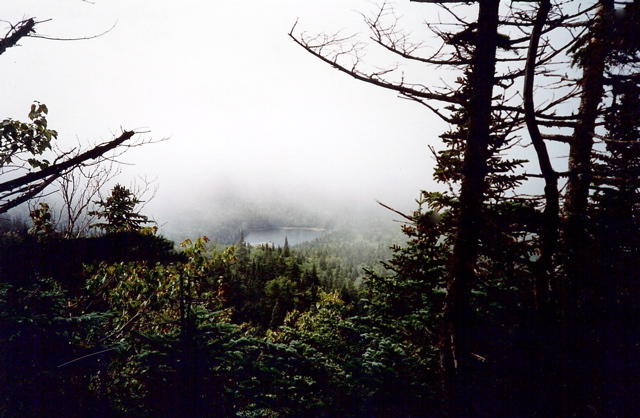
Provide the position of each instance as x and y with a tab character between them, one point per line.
244	106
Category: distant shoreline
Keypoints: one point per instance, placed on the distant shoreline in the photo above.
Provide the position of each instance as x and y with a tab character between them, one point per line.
288	228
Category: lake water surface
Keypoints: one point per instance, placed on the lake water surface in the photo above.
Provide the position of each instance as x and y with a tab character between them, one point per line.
277	235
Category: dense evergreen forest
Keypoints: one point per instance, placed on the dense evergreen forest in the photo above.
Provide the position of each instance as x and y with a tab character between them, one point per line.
513	292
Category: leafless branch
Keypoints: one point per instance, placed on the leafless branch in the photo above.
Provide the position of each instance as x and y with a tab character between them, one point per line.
84	38
19	190
78	190
396	211
330	49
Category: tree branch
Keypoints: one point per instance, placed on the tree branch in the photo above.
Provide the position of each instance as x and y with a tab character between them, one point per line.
16	33
47	175
373	78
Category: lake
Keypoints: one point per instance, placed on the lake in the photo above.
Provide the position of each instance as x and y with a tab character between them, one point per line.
277	235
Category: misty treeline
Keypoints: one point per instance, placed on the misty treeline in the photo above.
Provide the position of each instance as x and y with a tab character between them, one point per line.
514	293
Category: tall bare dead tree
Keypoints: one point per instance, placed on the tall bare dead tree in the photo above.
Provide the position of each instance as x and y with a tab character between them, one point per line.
78	190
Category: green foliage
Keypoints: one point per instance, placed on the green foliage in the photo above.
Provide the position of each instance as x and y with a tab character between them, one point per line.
160	312
180	354
267	284
341	256
366	364
502	174
42	219
30	138
168	341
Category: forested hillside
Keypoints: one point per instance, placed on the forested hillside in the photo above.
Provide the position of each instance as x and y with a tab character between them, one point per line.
124	325
513	290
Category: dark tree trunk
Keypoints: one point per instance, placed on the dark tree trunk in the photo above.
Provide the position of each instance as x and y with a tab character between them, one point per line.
551	216
579	358
457	335
543	366
580	167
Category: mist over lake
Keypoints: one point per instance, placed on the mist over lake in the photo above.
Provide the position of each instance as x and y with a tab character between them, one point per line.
277	236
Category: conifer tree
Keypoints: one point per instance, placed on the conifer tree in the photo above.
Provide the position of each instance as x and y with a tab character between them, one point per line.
119	211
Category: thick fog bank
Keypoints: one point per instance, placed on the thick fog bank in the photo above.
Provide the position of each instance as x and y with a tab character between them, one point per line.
224	213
